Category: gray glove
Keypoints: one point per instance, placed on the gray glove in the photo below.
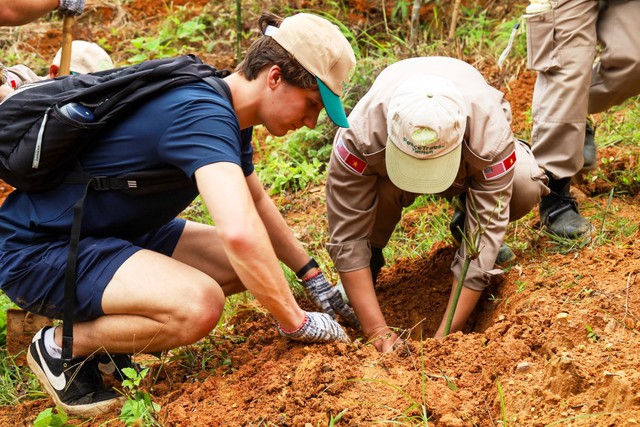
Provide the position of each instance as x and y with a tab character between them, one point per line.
317	327
328	299
71	7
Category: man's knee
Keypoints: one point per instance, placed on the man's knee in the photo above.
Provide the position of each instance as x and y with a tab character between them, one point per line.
198	314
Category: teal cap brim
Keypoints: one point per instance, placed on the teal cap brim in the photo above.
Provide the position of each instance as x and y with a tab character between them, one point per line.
332	105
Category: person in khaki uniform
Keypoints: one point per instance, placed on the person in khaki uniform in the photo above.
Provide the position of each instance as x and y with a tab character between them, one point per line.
561	40
428	125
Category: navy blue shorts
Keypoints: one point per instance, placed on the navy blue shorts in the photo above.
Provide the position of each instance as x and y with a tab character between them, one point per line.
33	277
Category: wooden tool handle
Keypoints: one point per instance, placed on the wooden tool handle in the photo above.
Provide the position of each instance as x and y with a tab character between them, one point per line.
67	39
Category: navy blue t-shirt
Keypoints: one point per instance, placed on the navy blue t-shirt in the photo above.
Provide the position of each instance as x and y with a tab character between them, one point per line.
187	127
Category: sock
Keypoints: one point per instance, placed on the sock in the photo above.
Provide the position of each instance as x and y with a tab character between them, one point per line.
53	349
558	186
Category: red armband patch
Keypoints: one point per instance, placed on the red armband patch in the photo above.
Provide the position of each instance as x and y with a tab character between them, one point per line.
496	170
11	81
350	160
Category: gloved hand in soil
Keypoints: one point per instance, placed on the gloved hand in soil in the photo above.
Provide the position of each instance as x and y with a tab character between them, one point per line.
328	299
317	327
71	7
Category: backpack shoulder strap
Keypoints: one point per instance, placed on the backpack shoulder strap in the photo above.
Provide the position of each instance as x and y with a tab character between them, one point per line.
221	87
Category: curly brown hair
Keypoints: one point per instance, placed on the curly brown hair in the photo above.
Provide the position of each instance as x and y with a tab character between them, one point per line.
266	52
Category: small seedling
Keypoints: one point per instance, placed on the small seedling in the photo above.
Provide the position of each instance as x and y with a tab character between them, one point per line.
472	241
591	335
503	406
52	418
452	386
333	420
138	409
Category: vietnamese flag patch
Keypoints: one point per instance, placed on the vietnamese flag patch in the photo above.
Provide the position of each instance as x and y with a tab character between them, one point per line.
350	160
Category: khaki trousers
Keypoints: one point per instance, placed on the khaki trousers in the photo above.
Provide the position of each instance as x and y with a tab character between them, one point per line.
561	46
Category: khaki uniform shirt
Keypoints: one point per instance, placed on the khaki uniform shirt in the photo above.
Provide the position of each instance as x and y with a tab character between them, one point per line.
364	206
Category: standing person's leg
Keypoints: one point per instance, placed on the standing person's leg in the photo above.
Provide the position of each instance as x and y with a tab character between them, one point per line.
559	105
616	76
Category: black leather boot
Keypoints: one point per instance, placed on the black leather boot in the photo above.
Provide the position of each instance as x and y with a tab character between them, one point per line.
559	211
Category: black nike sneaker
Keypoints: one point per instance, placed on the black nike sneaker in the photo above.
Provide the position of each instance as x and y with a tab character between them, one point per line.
75	385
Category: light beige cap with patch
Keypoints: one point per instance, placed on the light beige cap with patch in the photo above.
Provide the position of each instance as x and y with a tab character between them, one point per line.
426	121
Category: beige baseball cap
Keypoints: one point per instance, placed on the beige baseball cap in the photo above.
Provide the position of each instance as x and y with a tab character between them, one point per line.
86	57
426	121
320	47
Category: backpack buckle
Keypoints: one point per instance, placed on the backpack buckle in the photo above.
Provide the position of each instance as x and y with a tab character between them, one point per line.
101	183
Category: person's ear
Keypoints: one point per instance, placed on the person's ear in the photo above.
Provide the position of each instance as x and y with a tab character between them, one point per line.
53	71
274	76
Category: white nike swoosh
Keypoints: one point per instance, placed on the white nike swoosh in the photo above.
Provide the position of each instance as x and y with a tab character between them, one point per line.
57	381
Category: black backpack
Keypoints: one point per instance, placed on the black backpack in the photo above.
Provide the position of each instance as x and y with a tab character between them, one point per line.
40	140
39	143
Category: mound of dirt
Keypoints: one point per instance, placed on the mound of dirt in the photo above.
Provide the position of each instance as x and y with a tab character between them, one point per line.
555	340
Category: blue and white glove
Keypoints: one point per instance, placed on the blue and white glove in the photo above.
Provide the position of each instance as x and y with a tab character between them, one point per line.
317	327
329	299
71	7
